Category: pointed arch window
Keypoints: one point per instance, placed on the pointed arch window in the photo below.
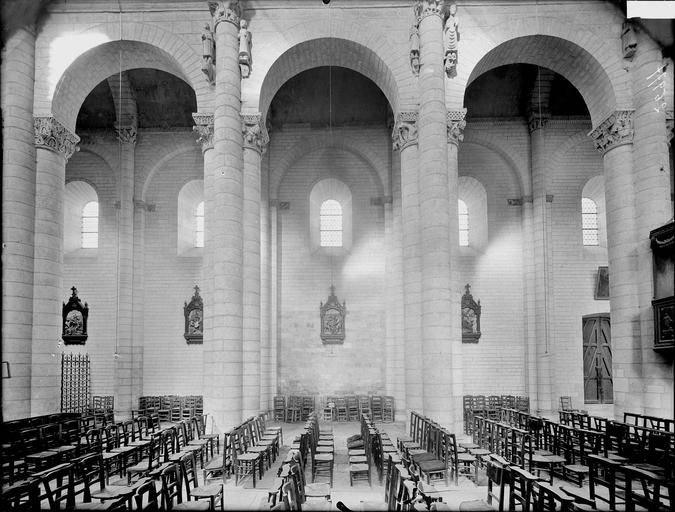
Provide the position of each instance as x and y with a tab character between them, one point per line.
463	218
589	221
199	224
330	223
89	230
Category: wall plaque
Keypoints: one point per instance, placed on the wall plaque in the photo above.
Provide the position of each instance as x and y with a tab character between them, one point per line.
332	320
194	319
470	317
74	318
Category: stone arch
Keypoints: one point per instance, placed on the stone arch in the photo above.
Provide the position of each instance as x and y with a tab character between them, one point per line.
308	145
517	167
571	142
161	163
589	65
323	52
72	77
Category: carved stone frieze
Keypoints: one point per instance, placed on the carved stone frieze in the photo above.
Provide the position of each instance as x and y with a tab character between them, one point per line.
254	132
126	134
204	128
537	120
404	133
225	10
51	134
456	124
614	131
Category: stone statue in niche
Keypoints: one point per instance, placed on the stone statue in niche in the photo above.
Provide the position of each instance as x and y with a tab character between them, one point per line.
471	311
415	50
208	54
332	319
194	319
451	40
74	317
244	49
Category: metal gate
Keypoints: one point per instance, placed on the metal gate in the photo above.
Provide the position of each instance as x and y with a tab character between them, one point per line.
75	382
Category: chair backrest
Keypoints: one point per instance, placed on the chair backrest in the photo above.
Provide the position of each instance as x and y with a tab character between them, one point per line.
550	498
289	492
171	486
188	473
22	497
565	403
56	488
95	439
89	471
146	497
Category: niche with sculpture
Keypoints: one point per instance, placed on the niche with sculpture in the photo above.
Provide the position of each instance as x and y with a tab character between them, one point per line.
470	317
194	319
74	320
332	320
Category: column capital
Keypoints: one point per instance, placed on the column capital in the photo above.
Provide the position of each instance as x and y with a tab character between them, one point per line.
126	134
424	8
404	133
225	10
456	123
254	131
204	128
537	120
51	134
614	131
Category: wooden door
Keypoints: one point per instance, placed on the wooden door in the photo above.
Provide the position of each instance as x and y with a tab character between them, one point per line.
597	348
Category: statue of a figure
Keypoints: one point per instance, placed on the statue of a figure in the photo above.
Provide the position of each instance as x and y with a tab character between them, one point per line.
208	49
415	50
451	38
244	49
628	40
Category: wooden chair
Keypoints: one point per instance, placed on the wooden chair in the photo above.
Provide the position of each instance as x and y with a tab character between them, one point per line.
220	466
200	428
322	463
294	409
146	497
149	465
212	492
647	489
243	463
279	408
548	498
602	472
520	488
353	408
341	409
497	474
56	489
376	404
21	497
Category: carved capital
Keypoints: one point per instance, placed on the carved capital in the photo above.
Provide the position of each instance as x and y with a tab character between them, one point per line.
424	8
254	132
51	134
204	128
126	134
405	130
537	120
614	131
456	125
225	10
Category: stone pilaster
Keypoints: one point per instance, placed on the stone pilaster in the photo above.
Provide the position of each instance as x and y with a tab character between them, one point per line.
653	208
405	141
18	219
267	366
455	124
544	350
223	349
125	279
435	220
255	140
614	139
54	144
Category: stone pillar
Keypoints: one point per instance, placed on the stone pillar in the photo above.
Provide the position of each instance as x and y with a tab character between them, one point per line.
653	208
614	139
18	219
530	299
204	128
405	141
266	368
541	245
399	385
455	134
255	140
125	276
223	352
138	301
55	145
275	292
434	220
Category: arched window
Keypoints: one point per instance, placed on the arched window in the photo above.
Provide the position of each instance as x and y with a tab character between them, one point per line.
90	225
463	217
589	221
199	225
330	224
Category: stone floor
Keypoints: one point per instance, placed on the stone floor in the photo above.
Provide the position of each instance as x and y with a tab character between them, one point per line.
465	496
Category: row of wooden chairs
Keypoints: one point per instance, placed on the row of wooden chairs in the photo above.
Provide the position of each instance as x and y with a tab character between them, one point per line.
351	408
170	407
318	442
491	407
294	408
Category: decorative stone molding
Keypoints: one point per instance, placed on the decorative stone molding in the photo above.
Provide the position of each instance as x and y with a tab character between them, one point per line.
225	10
280	205
51	134
204	128
614	131
515	202
254	132
139	204
404	133
424	8
126	134
456	124
537	120
380	200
